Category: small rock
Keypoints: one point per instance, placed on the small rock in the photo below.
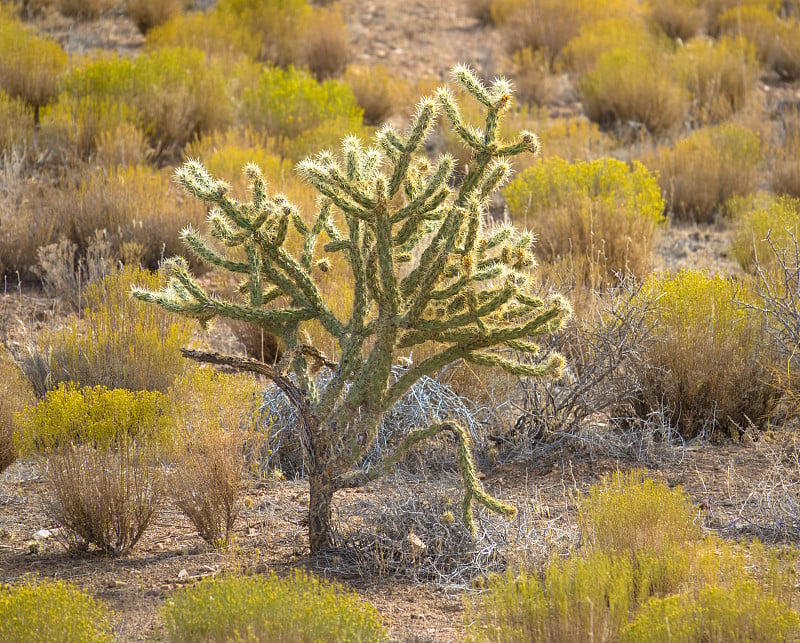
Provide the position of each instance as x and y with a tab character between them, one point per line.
417	546
116	584
183	574
42	534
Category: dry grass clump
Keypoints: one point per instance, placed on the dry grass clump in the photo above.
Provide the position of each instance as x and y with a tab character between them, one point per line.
785	170
532	79
379	92
84	9
36	611
719	76
104	497
325	47
548	25
597	38
214	421
297	609
633	88
123	146
30	66
776	41
707	367
481	9
682	19
705	169
760	224
572	138
15	395
602	211
118	344
16	124
147	14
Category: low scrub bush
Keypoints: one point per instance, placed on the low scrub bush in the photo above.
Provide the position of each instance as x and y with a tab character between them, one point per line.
719	76
16	127
52	612
123	146
548	25
147	14
602	210
214	419
378	91
705	169
583	52
94	416
119	345
84	9
299	608
104	497
573	139
682	19
532	79
706	368
633	86
15	396
177	92
776	41
215	33
30	66
757	218
324	39
742	613
717	8
785	169
481	9
289	103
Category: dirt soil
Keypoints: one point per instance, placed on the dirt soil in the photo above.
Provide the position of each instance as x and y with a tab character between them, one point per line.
416	38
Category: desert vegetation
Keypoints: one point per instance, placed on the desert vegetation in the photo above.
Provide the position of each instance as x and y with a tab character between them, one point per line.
477	321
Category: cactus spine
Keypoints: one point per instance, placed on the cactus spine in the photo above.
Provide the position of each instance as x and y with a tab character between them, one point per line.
424	269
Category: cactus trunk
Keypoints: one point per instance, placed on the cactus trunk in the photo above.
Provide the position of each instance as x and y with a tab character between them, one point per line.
321	490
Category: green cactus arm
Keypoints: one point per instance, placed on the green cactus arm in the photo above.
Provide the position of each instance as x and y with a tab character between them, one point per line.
200	248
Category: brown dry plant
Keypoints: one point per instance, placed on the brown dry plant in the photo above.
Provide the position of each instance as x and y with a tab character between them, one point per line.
147	14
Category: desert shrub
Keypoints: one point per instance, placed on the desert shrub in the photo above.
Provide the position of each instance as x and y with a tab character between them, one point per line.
213	415
15	123
123	146
71	128
742	612
94	416
705	169
135	205
298	608
215	33
177	92
706	368
324	41
532	79
104	497
629	512
785	170
548	25
719	76
633	86
30	66
278	23
286	103
480	9
15	396
776	41
682	19
52	612
378	91
573	139
602	210
84	9
596	38
119	345
757	218
147	14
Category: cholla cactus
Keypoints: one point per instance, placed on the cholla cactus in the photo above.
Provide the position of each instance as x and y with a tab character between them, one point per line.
423	269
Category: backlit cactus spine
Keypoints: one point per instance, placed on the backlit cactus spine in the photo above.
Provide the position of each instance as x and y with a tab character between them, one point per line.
424	269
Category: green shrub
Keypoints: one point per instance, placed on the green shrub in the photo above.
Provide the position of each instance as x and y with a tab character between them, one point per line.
596	38
30	66
298	608
757	217
706	368
177	92
287	103
52	612
719	76
95	416
602	210
119	345
743	612
705	169
633	85
15	396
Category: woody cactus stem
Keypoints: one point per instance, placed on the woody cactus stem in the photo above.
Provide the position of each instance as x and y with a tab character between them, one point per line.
423	268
